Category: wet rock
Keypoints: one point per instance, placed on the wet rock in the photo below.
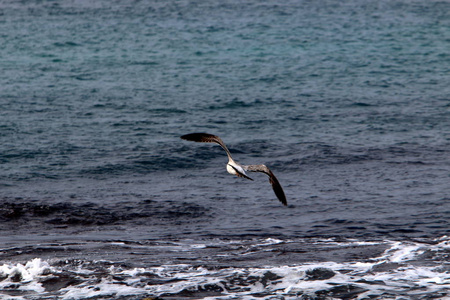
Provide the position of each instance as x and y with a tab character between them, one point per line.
310	297
385	267
268	277
372	282
16	277
319	274
243	281
345	291
199	292
159	281
58	282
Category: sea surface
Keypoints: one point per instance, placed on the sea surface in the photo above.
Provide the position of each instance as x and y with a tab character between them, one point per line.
347	102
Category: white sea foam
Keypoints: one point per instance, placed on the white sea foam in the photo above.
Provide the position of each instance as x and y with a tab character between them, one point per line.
27	275
103	289
396	271
401	251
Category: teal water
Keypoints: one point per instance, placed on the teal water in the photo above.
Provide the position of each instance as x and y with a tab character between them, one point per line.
347	102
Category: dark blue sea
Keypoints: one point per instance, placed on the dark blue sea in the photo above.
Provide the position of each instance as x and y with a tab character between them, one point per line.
347	102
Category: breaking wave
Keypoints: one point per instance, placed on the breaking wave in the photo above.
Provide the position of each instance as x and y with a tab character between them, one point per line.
403	268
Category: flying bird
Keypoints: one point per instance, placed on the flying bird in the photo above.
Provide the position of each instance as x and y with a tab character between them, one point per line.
235	168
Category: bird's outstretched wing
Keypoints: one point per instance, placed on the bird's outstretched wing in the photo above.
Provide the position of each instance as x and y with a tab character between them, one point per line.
206	138
272	179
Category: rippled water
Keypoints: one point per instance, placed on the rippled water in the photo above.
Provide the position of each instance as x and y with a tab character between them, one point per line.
347	102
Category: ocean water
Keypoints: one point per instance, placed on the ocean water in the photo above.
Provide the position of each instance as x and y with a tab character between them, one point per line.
348	103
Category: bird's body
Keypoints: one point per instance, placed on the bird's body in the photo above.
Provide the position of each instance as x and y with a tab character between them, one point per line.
235	168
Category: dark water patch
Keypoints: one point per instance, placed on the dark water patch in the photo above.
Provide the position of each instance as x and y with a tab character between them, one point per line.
108	169
361	104
167	111
44	250
22	212
330	155
164	163
84	77
258	147
59	213
143	165
22	154
66	44
405	229
145	63
327	154
233	104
